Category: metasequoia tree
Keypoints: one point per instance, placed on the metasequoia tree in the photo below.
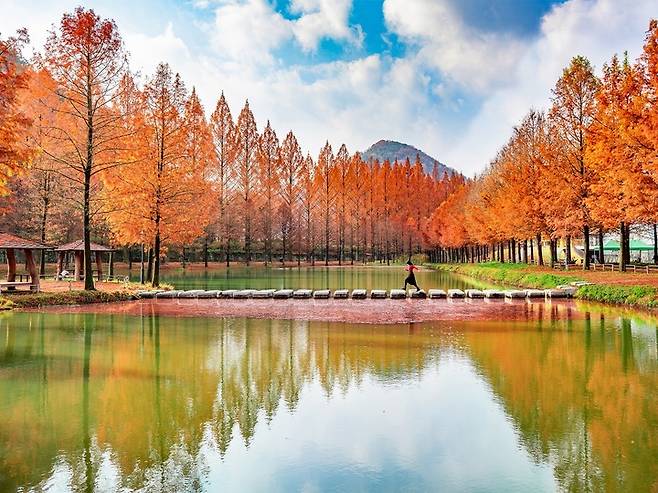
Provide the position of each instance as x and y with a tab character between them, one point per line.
292	160
326	192
244	148
308	194
269	162
86	58
572	113
13	122
222	129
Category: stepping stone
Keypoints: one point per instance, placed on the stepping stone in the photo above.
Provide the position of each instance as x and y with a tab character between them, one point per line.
264	293
493	293
359	294
419	294
147	294
578	284
227	293
378	294
192	293
321	294
514	293
244	294
341	294
535	293
302	294
398	294
437	294
213	293
282	294
456	293
474	293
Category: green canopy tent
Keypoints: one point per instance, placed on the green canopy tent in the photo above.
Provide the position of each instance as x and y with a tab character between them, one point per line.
635	246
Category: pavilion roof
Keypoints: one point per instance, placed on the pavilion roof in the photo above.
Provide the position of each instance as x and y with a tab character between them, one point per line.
79	245
8	240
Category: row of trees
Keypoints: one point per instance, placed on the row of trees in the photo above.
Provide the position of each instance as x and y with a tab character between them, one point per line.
98	153
589	164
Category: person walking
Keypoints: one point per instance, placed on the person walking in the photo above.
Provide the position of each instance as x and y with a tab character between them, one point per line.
411	278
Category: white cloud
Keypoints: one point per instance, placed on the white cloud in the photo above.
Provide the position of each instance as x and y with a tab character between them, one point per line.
465	56
323	19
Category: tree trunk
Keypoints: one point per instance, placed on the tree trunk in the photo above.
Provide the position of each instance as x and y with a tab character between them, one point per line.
655	243
568	250
601	252
155	280
149	265
540	253
141	266
586	261
88	267
622	246
205	252
32	269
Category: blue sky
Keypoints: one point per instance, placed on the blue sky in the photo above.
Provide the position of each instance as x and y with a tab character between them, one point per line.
451	77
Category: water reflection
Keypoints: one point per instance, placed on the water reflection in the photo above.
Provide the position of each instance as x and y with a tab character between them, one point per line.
93	402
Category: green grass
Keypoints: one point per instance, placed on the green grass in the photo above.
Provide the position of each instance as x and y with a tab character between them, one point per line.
644	296
511	274
64	298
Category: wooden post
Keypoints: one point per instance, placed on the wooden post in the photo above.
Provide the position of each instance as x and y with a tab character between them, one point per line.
77	273
11	265
32	269
60	264
110	265
99	265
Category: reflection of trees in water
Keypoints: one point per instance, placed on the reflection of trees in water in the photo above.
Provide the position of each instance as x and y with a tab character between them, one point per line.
580	395
141	397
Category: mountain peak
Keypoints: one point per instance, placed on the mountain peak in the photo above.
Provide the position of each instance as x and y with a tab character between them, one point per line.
392	150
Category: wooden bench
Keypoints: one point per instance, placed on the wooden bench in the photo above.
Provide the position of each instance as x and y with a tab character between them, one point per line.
9	285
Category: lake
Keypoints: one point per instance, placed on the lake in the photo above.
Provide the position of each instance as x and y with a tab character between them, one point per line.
562	397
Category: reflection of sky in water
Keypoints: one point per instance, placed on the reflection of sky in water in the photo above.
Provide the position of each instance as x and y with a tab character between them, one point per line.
440	431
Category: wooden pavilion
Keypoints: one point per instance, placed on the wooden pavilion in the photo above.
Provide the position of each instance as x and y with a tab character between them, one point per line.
10	243
78	248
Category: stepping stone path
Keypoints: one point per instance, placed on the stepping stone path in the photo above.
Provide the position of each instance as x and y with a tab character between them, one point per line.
456	293
321	294
437	294
474	293
563	291
359	294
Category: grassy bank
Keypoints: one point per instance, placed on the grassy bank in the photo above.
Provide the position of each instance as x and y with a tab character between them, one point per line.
633	291
510	274
63	298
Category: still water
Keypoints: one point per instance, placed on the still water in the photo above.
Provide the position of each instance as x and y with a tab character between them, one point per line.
365	277
563	399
